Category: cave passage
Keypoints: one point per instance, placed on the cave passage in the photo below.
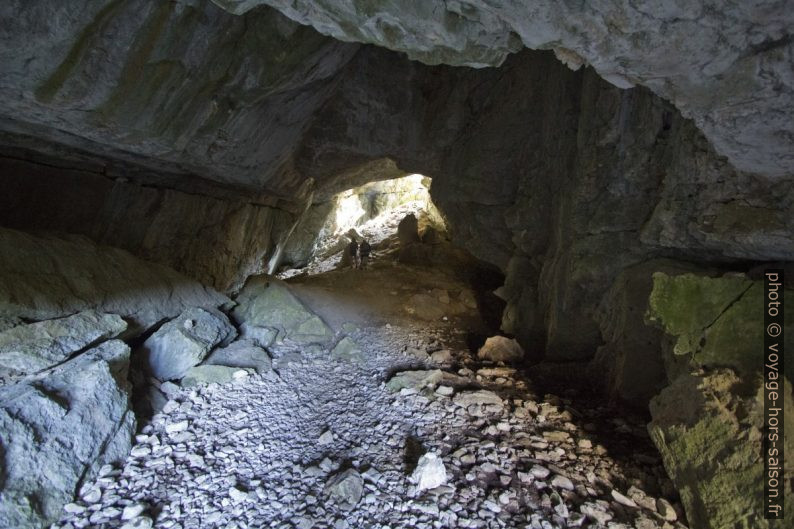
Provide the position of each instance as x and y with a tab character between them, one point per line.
368	397
570	208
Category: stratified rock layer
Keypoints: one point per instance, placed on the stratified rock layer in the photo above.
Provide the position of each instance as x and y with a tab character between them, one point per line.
27	349
48	276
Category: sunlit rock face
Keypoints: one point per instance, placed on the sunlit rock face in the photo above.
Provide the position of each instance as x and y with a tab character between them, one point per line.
728	66
372	211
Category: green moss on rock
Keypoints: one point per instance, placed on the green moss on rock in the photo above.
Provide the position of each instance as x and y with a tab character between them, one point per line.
710	441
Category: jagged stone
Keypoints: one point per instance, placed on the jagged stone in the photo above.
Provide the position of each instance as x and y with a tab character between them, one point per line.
268	302
26	349
345	488
241	354
429	473
60	430
184	342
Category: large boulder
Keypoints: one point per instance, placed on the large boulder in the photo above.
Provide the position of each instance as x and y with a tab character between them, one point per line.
268	302
47	276
709	429
408	230
241	354
185	341
27	349
501	349
58	429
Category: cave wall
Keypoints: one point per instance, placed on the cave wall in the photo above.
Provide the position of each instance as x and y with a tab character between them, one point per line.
195	137
218	240
557	177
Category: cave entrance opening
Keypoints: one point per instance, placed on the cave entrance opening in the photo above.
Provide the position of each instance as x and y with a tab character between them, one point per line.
372	212
416	275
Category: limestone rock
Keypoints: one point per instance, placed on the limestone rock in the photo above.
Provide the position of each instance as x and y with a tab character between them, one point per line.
184	342
345	488
26	349
208	374
429	473
501	349
241	354
715	320
268	302
481	402
59	430
347	350
261	336
408	230
415	380
709	436
630	365
47	276
443	356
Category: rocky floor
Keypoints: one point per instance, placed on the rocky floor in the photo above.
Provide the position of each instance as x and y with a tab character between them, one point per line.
409	431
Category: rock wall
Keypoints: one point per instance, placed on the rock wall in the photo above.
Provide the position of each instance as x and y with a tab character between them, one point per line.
47	276
559	178
217	240
726	66
579	188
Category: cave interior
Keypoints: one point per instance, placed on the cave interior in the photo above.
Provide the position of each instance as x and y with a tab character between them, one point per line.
573	214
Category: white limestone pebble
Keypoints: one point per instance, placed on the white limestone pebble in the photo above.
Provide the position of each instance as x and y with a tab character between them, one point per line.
430	472
132	511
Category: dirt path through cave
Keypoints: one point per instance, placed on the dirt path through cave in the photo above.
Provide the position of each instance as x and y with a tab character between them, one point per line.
261	452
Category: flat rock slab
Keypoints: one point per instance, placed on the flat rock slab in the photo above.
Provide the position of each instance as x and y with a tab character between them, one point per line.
26	349
479	402
185	341
200	375
417	380
241	354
